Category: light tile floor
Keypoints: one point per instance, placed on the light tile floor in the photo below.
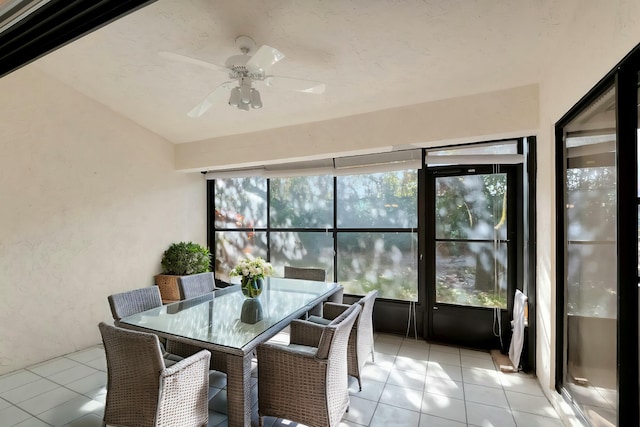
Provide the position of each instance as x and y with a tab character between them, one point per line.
411	383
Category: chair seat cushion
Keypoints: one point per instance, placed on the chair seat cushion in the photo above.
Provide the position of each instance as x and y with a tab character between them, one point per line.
319	320
303	348
173	357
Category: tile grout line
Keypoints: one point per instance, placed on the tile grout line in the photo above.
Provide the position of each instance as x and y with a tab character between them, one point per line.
464	394
36	416
424	385
508	403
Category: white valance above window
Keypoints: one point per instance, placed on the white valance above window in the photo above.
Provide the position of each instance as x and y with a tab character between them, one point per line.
493	153
474	159
339	166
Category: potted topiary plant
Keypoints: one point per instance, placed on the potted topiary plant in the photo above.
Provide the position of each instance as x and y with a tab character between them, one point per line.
181	259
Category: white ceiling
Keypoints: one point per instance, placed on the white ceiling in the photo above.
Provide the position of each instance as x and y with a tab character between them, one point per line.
372	54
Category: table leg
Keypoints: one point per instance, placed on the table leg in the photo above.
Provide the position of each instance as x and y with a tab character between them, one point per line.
239	390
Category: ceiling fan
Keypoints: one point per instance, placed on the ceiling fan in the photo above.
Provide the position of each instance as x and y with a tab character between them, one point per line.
251	66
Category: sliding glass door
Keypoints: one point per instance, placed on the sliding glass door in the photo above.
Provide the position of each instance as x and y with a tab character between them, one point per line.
591	261
598	204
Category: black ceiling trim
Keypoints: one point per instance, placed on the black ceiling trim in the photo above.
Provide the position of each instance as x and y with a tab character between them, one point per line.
56	24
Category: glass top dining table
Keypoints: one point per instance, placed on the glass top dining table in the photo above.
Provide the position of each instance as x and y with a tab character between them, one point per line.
213	322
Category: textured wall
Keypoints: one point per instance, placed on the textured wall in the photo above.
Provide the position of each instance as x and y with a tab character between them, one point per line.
88	203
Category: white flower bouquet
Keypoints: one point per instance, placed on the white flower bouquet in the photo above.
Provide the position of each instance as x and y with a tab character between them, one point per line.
256	268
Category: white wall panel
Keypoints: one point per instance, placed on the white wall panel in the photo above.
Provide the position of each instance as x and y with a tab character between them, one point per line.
88	203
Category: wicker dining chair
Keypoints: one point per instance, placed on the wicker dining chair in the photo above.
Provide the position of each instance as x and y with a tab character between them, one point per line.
316	275
143	392
195	285
306	381
128	303
361	338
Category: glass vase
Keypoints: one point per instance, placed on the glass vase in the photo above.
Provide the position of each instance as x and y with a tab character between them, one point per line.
252	286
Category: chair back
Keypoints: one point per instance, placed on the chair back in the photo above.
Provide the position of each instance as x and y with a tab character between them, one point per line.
195	285
333	347
364	326
305	273
336	334
308	273
134	364
131	302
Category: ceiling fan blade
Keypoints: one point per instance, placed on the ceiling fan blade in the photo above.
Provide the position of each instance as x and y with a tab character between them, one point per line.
210	99
263	59
289	83
189	60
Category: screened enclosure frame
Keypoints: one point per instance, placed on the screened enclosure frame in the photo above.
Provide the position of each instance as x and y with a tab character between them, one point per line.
335	231
395	315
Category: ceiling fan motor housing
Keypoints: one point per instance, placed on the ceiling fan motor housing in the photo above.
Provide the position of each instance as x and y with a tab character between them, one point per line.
236	65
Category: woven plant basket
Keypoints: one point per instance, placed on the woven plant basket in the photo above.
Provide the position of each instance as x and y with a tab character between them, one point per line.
168	287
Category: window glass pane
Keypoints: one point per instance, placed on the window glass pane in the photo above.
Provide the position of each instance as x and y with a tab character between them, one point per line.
378	200
383	261
302	249
591	203
301	202
471	274
591	283
471	207
241	202
231	246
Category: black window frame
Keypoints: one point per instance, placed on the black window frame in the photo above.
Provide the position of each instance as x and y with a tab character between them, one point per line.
335	230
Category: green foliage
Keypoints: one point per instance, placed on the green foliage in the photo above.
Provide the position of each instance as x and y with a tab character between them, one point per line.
470	207
448	293
305	202
400	287
381	200
185	258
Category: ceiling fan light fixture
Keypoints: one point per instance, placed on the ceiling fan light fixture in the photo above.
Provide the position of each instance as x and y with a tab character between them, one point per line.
256	101
245	95
234	98
245	90
238	100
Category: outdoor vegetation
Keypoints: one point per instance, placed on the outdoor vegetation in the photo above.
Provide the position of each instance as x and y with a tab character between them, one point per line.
374	237
591	236
471	250
370	224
